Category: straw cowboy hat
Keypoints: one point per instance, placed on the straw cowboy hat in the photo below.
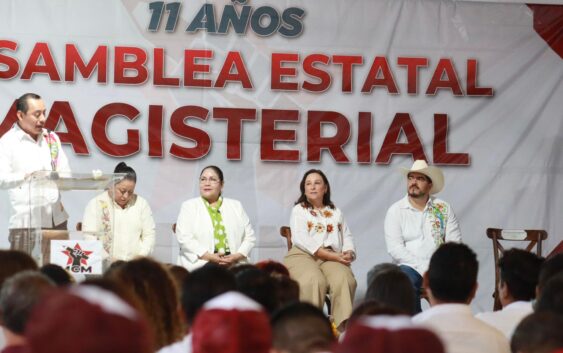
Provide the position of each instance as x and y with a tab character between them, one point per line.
435	174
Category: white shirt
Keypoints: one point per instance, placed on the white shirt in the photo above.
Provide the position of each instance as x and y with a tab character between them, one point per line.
460	331
20	155
133	226
313	229
194	231
183	346
508	318
409	232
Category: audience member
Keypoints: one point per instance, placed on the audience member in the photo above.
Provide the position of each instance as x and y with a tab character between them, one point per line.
202	285
286	289
57	274
380	268
12	262
551	297
273	268
232	323
550	268
393	288
451	283
519	272
155	289
385	334
18	297
538	333
259	286
301	328
87	320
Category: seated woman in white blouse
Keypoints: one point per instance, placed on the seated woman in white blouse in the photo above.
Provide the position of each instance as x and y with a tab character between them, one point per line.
123	216
323	248
212	228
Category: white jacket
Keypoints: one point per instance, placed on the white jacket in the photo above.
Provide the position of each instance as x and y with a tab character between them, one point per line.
195	231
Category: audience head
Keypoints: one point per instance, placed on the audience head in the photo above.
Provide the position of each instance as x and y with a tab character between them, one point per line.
371	307
18	297
314	187
452	274
538	333
551	296
379	268
203	284
287	290
57	274
273	268
393	288
519	272
14	261
124	189
211	182
156	292
259	286
231	323
86	320
384	334
550	267
301	328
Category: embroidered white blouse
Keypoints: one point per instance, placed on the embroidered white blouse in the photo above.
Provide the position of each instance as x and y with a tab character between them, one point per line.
312	229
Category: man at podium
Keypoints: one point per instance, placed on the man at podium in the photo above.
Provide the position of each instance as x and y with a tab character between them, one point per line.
29	151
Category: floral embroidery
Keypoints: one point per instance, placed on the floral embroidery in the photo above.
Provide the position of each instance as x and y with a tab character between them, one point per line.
329	228
53	149
327	213
309	225
319	228
438	216
313	213
106	226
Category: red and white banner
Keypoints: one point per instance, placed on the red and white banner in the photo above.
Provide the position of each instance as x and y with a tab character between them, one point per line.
269	89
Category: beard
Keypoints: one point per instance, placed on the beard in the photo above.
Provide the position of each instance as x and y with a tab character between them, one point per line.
416	193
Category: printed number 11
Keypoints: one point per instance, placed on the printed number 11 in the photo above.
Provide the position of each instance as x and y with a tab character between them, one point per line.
157	8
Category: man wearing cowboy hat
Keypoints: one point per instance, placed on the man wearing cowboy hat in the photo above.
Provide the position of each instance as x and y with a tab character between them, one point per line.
418	223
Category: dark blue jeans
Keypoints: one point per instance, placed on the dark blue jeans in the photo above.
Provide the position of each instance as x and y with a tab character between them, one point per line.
416	280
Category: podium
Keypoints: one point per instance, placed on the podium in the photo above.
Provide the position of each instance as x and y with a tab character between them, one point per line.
38	214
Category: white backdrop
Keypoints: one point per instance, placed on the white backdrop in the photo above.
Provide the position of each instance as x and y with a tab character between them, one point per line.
512	139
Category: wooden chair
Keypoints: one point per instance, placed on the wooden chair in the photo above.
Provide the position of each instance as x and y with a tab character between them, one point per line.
534	238
285	232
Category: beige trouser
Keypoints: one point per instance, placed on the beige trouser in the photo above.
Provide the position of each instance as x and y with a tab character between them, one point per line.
316	276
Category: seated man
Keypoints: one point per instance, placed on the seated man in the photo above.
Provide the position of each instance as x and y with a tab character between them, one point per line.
451	283
519	272
418	223
538	333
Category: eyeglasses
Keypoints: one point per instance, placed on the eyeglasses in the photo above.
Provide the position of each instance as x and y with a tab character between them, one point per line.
211	181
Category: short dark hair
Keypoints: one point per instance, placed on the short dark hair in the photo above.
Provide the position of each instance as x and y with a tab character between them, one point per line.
21	102
380	268
452	273
393	288
217	171
259	286
14	261
551	297
550	267
57	274
538	333
519	270
18	297
123	168
202	285
303	199
301	328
